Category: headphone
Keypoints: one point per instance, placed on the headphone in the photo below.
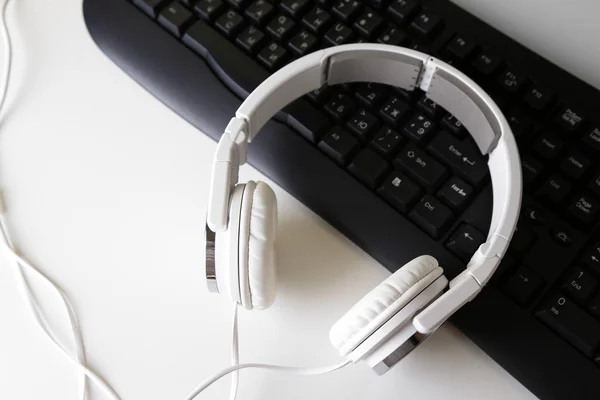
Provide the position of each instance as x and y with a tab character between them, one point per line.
396	316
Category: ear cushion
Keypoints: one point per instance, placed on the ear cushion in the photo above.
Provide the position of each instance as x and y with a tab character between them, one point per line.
383	302
261	246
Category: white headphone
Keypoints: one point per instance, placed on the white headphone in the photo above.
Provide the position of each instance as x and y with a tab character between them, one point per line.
392	319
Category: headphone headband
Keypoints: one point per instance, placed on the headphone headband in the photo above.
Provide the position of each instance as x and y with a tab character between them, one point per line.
407	69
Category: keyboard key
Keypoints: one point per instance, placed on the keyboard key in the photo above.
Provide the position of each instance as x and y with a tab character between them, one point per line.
426	24
281	27
339	145
454	126
306	120
150	7
251	39
594	307
461	47
340	106
548	146
419	127
431	216
393	36
295	7
580	284
386	142
403	10
369	168
209	9
303	43
594	184
394	110
584	209
554	190
532	168
175	18
561	236
419	166
512	81
572	323
346	10
230	23
319	95
538	99
273	56
430	107
371	94
317	20
521	125
591	140
487	64
455	193
465	242
363	124
570	120
591	259
339	34
259	12
238	4
368	24
401	192
575	164
534	215
523	239
523	286
463	158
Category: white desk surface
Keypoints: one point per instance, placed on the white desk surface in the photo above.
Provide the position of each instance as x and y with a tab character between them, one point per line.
106	190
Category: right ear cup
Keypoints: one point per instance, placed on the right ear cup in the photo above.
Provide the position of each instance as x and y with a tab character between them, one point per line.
258	229
381	303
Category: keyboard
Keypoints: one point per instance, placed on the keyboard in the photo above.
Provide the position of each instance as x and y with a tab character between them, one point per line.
393	171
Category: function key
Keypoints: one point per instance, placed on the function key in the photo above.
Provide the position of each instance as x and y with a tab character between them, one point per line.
419	127
230	23
340	105
346	10
369	168
570	120
534	215
575	164
430	107
426	24
461	47
251	39
393	36
339	145
303	43
487	64
371	94
150	7
454	126
259	11
386	142
548	146
554	190
431	216
368	24
363	124
295	7
317	20
591	259
273	56
531	168
584	209
424	169
456	193
403	10
591	140
580	284
281	27
538	99
465	242
400	191
339	34
394	110
175	18
523	286
562	236
512	81
208	9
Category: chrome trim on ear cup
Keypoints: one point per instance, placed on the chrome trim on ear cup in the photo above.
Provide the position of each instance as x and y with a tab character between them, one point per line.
210	263
405	349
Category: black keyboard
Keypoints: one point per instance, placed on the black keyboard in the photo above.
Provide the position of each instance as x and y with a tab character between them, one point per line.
393	171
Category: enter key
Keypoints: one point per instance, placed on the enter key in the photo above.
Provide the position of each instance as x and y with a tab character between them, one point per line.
460	156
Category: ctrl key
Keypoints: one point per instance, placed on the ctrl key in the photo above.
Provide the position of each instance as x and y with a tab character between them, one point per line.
431	216
572	323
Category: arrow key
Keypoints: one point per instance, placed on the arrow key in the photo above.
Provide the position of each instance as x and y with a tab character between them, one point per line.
591	259
523	286
465	242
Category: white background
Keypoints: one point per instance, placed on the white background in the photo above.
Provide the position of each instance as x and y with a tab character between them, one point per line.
106	191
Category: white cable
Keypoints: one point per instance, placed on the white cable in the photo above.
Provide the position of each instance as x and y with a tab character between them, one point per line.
235	353
20	263
294	370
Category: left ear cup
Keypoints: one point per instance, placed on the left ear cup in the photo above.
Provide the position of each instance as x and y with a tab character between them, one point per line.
258	229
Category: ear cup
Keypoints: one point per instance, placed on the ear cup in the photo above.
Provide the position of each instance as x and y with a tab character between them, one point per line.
383	302
257	264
